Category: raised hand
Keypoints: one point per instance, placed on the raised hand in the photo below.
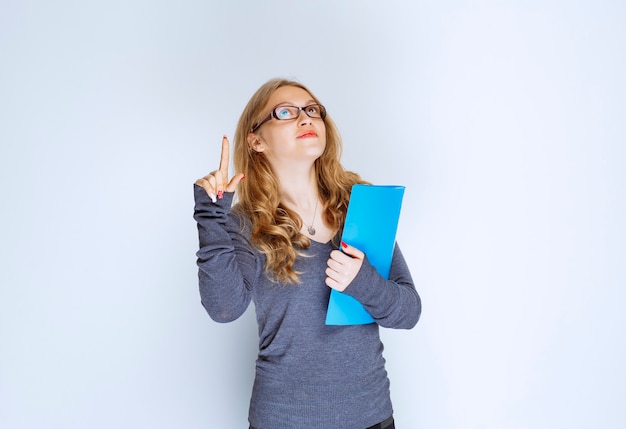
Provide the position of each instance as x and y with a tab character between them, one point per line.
215	183
343	267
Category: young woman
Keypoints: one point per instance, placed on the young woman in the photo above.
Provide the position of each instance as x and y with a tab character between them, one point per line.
279	246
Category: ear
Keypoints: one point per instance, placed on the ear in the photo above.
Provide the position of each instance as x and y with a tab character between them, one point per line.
255	143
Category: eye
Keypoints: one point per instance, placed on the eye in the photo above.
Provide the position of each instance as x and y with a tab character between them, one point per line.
284	112
313	110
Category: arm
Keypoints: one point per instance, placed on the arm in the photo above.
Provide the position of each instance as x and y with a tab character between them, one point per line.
227	265
225	260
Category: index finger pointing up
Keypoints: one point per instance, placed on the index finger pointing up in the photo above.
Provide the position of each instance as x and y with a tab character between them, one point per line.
225	157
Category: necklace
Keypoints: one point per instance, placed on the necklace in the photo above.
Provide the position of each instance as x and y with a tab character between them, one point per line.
310	228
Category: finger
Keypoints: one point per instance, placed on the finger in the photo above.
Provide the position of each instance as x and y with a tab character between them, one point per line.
211	180
205	183
219	182
334	275
331	282
334	284
225	156
336	255
334	265
340	257
232	185
215	186
352	251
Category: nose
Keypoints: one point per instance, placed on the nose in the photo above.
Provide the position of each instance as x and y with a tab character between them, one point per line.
303	118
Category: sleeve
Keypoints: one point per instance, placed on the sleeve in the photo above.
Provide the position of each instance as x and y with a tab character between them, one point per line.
227	264
393	303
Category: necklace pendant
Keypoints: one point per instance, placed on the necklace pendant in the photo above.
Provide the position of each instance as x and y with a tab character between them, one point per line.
310	229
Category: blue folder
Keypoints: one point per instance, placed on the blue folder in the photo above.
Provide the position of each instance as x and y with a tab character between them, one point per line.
371	225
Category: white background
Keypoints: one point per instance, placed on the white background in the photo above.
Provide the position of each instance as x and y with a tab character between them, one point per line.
504	119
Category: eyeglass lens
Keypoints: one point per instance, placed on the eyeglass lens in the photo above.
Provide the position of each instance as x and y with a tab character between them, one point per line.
292	112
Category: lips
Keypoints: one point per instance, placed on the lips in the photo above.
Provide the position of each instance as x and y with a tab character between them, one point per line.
306	134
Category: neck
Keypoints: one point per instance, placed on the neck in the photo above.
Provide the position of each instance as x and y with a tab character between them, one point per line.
299	191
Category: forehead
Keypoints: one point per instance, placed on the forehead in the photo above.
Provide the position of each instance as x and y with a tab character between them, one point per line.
291	95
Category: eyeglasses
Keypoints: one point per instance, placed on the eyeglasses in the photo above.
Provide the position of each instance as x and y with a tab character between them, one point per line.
287	113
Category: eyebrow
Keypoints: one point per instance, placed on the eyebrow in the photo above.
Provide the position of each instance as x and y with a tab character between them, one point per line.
287	103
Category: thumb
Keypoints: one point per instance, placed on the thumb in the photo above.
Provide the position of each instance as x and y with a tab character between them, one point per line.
351	251
232	185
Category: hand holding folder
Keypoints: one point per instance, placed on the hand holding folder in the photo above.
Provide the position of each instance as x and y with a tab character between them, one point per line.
371	225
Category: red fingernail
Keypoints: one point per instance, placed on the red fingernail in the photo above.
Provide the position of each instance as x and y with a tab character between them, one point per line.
244	176
343	244
220	194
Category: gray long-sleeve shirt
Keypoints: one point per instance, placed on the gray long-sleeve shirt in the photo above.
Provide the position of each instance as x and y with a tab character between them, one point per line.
308	374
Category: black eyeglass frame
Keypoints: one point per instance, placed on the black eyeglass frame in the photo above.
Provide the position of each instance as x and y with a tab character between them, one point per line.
274	115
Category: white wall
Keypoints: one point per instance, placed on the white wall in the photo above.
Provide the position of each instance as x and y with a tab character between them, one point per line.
505	120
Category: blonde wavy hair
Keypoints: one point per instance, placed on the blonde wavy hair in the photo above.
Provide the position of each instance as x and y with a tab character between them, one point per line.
275	230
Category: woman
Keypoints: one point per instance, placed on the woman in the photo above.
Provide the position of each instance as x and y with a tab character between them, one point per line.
278	246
